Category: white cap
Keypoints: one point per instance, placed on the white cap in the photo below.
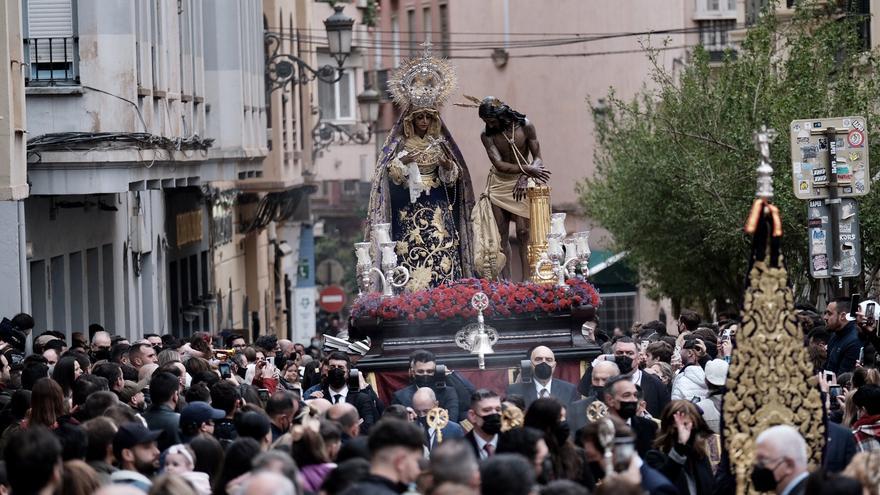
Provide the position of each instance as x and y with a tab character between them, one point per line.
716	372
863	308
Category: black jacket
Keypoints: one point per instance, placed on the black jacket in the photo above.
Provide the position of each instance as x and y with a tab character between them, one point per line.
645	430
655	393
446	396
375	485
679	463
362	402
563	391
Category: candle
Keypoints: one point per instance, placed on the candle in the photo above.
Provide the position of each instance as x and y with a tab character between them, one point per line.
362	250
557	224
570	249
389	257
382	233
554	248
583	243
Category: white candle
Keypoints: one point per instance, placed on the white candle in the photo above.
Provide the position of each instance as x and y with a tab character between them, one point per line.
362	250
557	224
389	257
554	248
583	243
570	249
382	233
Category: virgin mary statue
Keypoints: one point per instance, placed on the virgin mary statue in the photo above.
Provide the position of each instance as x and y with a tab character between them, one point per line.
421	185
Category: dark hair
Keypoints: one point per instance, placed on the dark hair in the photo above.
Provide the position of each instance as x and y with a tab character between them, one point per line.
209	378
623	339
249	393
31	373
612	382
170	367
65	373
86	385
267	343
331	430
522	441
340	356
563	487
481	394
667	435
710	340
843	304
232	338
309	449
253	424
422	356
690	319
199	392
137	349
543	415
396	411
280	402
653	327
209	455
820	334
224	395
492	108
389	432
868	396
23	322
346	474
148	335
81	357
47	403
99	432
97	403
170	342
120	414
195	365
110	371
237	461
162	387
117	351
823	483
200	341
510	474
19	403
31	456
73	441
660	350
517	400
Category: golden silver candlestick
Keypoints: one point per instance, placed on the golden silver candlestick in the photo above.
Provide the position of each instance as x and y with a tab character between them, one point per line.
478	338
563	262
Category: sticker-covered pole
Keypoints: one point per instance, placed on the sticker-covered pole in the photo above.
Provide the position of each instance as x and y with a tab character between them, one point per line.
833	202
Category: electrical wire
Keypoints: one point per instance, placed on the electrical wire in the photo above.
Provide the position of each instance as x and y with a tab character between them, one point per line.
88	141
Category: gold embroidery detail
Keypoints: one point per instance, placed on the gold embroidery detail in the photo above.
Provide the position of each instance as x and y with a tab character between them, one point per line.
429	248
782	389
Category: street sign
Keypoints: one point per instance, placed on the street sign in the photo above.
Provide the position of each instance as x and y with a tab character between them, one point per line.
332	299
843	141
828	258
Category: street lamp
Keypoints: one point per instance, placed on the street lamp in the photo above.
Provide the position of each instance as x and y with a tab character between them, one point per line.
339	28
368	104
283	68
327	133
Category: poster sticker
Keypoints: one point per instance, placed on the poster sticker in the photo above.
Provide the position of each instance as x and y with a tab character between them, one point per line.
854	156
809	151
846	228
847	122
814	223
803	140
858	124
823	144
820	263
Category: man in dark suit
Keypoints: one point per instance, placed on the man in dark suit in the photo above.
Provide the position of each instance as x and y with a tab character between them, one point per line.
780	461
335	389
840	447
544	385
597	376
422	367
423	401
655	394
621	397
485	415
844	346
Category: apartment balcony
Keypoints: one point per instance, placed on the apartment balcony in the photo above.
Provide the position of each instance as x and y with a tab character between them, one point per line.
52	62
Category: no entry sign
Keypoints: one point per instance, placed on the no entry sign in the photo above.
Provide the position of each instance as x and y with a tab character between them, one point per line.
332	299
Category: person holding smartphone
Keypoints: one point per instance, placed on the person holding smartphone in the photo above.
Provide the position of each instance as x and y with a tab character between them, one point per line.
844	345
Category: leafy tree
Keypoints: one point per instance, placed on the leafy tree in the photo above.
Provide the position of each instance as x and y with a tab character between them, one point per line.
676	165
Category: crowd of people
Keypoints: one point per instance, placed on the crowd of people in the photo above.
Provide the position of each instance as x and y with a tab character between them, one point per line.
216	414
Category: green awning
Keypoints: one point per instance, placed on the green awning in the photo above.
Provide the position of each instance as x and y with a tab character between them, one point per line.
609	272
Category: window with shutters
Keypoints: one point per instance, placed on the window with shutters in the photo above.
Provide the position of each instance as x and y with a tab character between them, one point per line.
51	43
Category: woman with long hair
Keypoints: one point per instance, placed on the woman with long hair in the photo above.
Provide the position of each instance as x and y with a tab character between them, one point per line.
47	404
680	449
311	458
78	478
566	461
66	371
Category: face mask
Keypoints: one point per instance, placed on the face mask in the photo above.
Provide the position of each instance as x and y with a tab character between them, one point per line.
625	363
562	431
422	381
599	391
336	378
628	409
543	371
101	354
763	479
423	420
491	424
597	470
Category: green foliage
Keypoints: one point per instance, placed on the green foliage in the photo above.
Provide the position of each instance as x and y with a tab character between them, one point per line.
676	165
